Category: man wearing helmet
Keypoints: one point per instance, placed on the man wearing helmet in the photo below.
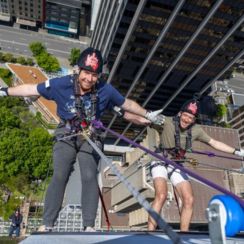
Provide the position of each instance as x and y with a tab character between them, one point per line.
80	98
176	136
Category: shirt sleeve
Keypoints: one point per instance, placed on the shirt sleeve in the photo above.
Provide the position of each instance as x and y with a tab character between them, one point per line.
47	88
202	135
115	97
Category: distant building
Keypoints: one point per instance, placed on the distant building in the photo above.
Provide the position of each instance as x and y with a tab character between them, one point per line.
28	74
70	18
5	14
237	122
229	92
26	14
67	18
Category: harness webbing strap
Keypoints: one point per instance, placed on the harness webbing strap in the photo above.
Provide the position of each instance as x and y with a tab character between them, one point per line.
77	94
81	113
188	145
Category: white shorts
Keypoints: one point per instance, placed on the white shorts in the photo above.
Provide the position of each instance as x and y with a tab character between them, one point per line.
168	172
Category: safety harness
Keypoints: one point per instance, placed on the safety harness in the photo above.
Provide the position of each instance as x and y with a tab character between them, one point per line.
84	117
82	120
177	152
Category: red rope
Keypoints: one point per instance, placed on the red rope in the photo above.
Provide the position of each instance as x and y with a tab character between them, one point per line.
104	209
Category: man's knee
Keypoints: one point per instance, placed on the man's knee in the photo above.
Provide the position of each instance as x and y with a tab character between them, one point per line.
161	197
188	201
59	178
89	176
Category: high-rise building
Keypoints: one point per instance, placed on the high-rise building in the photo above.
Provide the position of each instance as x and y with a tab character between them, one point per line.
27	13
237	122
160	53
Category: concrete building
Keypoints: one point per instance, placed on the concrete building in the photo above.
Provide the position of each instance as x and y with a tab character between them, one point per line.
5	14
24	13
28	13
237	122
70	18
62	17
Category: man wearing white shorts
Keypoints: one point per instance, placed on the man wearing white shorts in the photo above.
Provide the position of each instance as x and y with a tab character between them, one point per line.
176	135
168	172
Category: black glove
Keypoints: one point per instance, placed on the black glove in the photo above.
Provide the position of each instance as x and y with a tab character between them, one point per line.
3	91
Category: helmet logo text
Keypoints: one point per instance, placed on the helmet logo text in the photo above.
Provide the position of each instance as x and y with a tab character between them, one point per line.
91	60
193	108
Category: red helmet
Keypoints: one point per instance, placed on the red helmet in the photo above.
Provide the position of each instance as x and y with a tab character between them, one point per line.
191	106
91	59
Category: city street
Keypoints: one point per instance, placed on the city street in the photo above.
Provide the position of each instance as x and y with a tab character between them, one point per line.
16	41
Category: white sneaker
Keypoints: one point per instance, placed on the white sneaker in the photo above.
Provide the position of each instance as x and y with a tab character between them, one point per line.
89	229
44	228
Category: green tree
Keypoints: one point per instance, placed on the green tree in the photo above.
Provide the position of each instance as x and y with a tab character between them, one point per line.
74	56
42	60
54	64
25	152
8	119
37	48
40	144
21	60
48	62
221	110
8	57
11	102
1	57
29	61
6	75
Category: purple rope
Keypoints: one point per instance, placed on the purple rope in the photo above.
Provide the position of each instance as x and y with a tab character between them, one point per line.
98	124
212	154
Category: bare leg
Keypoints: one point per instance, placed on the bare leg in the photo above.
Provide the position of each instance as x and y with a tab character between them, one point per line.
185	192
161	190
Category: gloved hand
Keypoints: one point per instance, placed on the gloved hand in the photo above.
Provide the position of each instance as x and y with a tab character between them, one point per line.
3	91
239	152
155	117
118	111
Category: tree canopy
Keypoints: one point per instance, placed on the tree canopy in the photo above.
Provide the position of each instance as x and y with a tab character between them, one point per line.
25	150
37	48
74	56
44	59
